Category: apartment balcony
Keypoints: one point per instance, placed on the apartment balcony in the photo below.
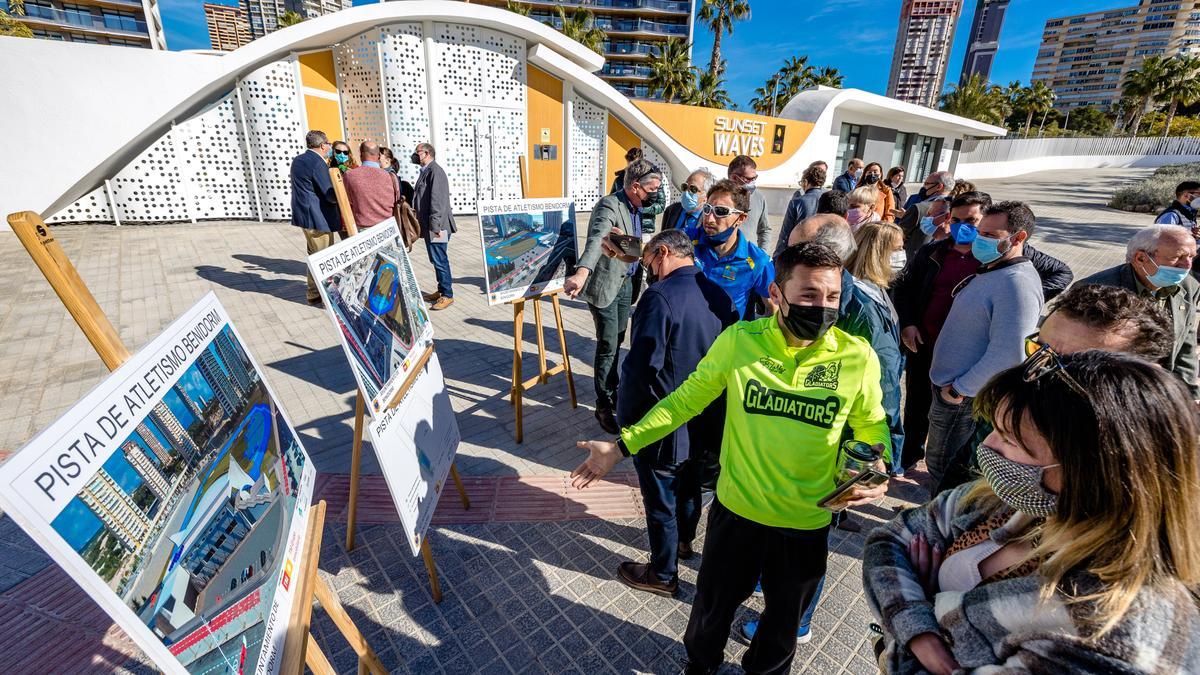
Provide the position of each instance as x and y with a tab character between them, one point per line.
617	6
630	50
625	71
612	26
39	16
636	91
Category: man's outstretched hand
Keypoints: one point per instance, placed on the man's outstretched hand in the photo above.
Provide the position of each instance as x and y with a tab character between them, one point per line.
602	457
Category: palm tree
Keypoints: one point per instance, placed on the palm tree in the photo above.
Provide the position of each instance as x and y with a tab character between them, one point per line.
1036	98
709	92
796	75
671	70
719	16
828	76
9	26
1143	85
290	18
580	26
977	100
518	7
1180	85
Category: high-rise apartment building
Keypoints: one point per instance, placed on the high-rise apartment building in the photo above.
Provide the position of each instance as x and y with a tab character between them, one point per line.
1084	57
116	509
262	16
227	27
985	39
129	23
146	469
634	28
923	42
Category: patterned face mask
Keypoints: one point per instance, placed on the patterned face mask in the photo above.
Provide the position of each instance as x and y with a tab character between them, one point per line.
1017	485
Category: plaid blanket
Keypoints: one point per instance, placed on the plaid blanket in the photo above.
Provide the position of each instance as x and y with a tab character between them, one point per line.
1001	627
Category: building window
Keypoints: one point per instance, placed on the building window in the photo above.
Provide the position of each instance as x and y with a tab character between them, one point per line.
848	143
900	150
122	21
77	14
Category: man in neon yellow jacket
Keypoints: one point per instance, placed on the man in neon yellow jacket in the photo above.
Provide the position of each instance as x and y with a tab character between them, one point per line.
794	384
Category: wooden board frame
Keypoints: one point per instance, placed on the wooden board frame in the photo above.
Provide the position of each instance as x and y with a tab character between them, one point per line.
545	371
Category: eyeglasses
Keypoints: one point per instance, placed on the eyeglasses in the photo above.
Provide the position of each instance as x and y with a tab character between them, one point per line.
684	187
719	211
1041	361
742	179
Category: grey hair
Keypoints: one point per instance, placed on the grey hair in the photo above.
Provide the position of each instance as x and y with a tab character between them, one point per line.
315	139
1146	239
427	148
676	241
644	172
709	178
837	236
946	179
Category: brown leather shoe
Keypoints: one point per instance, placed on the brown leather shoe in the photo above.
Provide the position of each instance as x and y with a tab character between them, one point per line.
639	576
431	297
685	551
442	303
847	525
607	420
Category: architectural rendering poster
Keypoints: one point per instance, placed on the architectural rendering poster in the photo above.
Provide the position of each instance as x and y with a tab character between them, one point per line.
371	294
415	443
528	246
176	494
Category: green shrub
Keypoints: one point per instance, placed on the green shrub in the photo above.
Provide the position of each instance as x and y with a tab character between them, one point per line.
1155	192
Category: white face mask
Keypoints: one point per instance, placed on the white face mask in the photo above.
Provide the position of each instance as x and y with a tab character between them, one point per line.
1195	204
898	260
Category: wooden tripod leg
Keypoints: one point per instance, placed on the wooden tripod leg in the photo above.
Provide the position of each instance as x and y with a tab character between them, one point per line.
296	643
562	341
355	462
517	385
462	491
435	587
316	660
366	656
541	340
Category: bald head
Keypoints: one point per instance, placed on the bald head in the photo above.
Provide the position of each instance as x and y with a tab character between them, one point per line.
825	228
369	151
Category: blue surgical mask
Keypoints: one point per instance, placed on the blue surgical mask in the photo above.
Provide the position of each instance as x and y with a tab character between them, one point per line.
718	238
341	157
963	233
927	226
1166	277
690	202
328	153
370	163
987	250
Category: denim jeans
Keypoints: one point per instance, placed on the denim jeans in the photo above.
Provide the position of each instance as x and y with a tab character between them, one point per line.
916	404
439	256
671	495
950	427
611	323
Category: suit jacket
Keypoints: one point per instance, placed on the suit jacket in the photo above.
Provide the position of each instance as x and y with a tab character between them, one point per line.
757	227
314	203
910	223
1181	307
803	205
431	199
607	274
845	182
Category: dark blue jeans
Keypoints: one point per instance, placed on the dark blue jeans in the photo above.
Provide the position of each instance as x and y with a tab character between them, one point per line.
671	495
439	256
950	427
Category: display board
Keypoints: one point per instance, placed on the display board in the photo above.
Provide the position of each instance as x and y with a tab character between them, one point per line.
371	295
175	494
415	443
528	246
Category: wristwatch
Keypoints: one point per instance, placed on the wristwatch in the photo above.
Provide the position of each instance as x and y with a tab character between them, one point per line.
623	448
954	392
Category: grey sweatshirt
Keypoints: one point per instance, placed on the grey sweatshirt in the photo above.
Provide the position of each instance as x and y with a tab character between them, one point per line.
986	329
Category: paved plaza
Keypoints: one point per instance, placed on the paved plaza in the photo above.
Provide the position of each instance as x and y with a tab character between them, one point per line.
528	572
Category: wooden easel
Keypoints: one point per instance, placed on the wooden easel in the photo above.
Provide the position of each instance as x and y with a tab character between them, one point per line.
299	647
339	189
521	385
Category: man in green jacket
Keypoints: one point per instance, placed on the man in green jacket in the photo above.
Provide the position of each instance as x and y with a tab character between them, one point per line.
794	382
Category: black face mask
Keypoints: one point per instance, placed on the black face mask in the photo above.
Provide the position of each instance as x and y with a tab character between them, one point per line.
809	322
416	159
871	179
651	277
921	194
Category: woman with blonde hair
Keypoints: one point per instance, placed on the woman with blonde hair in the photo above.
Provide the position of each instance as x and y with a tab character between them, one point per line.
862	205
879	255
1076	551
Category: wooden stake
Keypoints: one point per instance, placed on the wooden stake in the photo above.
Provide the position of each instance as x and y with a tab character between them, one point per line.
427	554
294	647
517	385
343	200
355	466
367	658
562	340
316	660
545	371
462	491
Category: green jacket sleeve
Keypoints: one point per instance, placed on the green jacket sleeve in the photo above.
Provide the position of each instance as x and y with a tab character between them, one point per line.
702	387
867	418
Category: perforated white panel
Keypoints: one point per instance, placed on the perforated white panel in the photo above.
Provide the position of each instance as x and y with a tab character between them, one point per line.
406	93
213	160
479	66
276	136
655	158
588	125
90	208
149	189
357	64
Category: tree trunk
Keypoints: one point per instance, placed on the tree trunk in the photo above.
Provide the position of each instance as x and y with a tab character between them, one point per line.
716	52
1028	121
1170	116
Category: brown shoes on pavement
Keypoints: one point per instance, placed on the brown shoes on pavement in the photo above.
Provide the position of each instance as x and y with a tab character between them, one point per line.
607	420
639	576
431	297
442	303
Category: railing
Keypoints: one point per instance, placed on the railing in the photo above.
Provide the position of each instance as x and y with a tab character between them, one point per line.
1008	149
622	70
86	20
629	48
636	91
620	25
664	5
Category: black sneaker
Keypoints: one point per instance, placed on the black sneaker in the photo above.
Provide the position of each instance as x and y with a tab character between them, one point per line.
684	551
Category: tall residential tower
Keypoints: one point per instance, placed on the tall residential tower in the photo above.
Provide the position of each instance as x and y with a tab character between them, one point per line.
128	23
228	28
985	39
923	43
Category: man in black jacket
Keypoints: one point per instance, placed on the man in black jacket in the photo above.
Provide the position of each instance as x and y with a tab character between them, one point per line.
924	291
674	325
803	204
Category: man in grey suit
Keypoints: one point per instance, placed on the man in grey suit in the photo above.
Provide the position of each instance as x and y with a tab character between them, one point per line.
937	187
743	171
606	282
431	199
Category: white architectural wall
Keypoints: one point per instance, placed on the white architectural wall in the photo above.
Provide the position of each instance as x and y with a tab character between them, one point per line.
406	92
586	131
357	62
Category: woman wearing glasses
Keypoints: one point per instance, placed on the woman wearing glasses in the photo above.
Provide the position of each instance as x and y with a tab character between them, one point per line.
693	193
1076	552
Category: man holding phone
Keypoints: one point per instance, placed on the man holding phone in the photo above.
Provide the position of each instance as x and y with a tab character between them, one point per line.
794	382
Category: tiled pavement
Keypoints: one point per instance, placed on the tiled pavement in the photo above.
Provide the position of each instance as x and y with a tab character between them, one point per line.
528	571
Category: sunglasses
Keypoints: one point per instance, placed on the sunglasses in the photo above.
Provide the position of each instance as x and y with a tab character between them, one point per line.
1041	360
684	187
719	211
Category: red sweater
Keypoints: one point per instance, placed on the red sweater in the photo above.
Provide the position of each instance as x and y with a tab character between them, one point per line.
372	192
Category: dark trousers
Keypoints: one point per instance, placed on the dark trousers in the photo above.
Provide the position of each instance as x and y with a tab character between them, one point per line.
950	428
611	323
916	404
737	552
671	495
439	256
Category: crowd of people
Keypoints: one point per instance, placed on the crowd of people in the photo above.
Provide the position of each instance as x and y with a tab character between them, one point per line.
1057	419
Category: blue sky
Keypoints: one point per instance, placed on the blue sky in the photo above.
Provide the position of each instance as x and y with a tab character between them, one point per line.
854	36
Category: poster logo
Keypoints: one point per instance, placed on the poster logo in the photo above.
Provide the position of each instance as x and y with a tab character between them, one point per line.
824	376
285	579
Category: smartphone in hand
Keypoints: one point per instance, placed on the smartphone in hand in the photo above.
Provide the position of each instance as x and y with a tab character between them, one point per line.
627	244
839	499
